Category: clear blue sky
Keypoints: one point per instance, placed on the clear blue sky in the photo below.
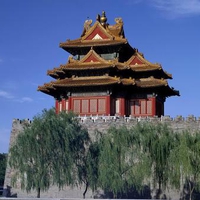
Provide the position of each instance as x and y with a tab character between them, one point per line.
31	30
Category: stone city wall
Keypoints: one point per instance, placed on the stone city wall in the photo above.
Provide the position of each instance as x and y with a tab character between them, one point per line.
93	123
102	123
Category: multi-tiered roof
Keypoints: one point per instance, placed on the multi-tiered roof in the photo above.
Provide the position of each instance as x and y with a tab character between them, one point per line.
101	60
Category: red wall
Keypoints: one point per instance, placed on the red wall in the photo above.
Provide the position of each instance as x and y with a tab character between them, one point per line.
105	105
91	105
142	107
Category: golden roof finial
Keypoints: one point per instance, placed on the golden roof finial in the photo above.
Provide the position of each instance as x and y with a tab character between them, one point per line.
103	18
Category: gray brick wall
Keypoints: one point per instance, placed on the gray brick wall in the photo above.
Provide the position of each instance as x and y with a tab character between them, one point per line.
93	123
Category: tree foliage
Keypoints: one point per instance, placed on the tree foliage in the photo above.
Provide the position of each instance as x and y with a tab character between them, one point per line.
185	172
120	163
87	167
157	143
3	157
57	150
45	152
132	158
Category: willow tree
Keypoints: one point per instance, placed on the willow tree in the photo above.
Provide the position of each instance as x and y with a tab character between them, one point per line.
157	142
87	167
185	159
44	153
118	162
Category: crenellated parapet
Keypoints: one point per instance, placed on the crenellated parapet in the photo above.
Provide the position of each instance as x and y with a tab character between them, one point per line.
167	118
102	123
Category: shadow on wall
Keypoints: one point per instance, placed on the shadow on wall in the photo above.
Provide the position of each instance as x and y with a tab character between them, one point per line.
133	193
186	192
7	192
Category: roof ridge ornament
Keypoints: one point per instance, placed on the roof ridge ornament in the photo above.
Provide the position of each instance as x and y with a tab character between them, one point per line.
103	19
87	26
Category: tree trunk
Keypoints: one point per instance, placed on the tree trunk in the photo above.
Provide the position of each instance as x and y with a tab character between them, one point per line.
38	192
86	187
159	191
191	188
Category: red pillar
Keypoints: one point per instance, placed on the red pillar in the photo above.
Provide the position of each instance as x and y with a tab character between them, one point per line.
153	106
57	106
63	104
108	105
122	106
